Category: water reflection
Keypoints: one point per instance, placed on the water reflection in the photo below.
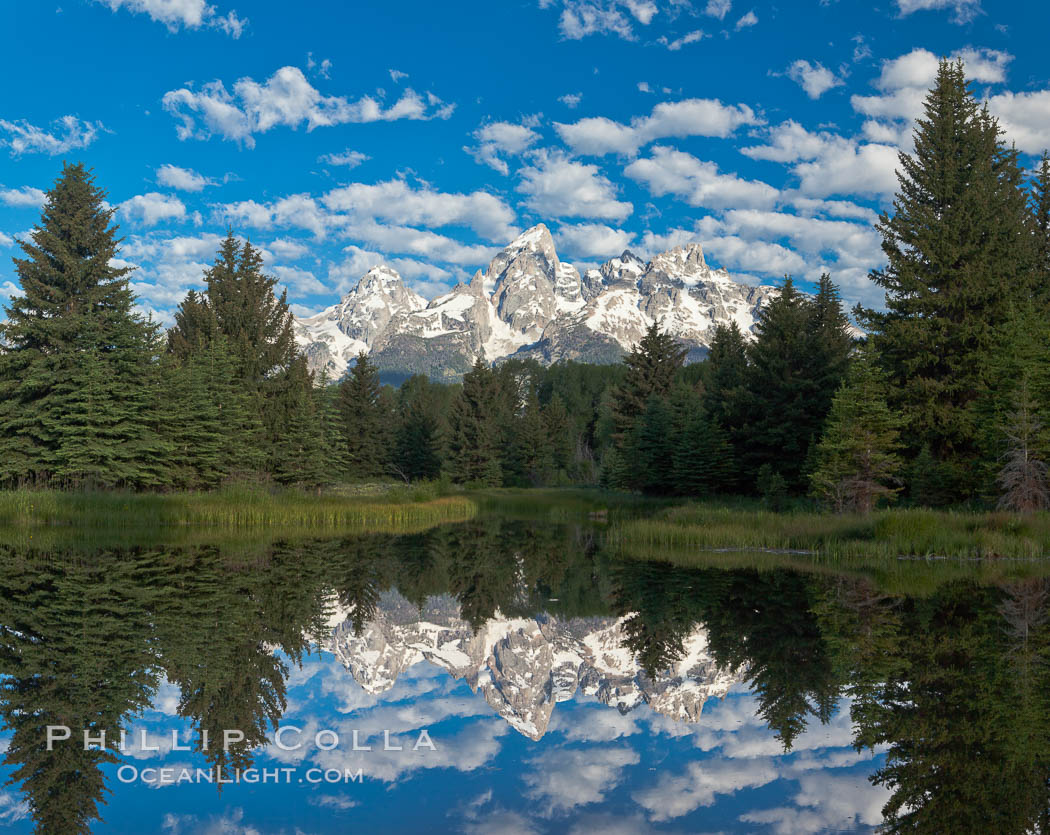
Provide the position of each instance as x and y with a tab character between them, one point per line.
764	697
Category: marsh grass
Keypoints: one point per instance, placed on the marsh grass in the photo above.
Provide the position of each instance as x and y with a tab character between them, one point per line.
230	509
885	534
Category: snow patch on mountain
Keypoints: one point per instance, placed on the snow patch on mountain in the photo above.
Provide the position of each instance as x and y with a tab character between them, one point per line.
529	303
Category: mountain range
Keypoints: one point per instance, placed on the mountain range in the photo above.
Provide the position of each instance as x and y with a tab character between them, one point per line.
528	303
524	666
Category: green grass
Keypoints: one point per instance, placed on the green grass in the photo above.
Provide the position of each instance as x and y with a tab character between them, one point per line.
230	509
887	533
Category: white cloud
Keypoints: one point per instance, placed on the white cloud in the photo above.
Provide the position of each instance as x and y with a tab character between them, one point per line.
1025	117
67	134
417	242
718	8
184	179
397	76
592	240
750	19
557	186
571	100
698	182
690	117
349	158
563	779
677	794
904	83
643	87
815	79
324	68
395	200
152	208
288	249
301	281
25	197
499	139
6	240
829	803
580	18
965	10
286	98
423	277
695	36
191	14
828	164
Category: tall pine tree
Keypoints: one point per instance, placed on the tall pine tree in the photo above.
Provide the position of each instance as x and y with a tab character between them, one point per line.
960	257
77	364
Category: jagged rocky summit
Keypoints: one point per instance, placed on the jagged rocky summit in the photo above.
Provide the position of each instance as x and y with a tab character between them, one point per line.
529	304
524	666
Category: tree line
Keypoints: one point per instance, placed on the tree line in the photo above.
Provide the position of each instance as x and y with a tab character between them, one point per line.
942	400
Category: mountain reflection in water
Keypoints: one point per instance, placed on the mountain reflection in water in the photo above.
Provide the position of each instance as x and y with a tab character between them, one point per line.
563	687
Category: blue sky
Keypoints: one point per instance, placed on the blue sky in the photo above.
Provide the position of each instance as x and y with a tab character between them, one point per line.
425	135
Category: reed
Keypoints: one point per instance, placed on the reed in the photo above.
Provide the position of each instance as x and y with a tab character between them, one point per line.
233	509
884	534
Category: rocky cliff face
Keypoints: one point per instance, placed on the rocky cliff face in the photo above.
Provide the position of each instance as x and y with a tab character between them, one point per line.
524	666
530	304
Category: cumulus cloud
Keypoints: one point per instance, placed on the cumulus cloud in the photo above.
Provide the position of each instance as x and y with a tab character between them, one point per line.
1025	117
396	200
152	208
571	100
904	82
176	14
286	98
497	140
349	158
183	179
563	779
677	794
698	182
580	18
592	240
690	117
815	79
557	186
300	281
66	134
25	197
965	10
827	164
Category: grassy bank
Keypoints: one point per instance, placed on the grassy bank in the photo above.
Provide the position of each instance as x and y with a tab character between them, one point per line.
701	529
231	509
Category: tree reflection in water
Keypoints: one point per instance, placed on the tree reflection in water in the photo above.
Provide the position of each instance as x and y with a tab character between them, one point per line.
953	683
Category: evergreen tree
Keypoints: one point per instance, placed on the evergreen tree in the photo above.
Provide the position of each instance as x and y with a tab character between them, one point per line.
726	374
364	421
703	461
211	423
77	365
960	256
561	438
651	368
474	436
857	460
255	321
649	453
1041	217
417	442
195	325
785	400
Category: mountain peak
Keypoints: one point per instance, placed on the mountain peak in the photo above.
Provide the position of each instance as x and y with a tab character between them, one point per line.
536	237
683	261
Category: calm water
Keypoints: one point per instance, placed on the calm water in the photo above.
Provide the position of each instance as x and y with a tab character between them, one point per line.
532	681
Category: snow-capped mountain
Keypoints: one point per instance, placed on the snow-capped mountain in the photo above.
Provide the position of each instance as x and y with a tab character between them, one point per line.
529	304
524	666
